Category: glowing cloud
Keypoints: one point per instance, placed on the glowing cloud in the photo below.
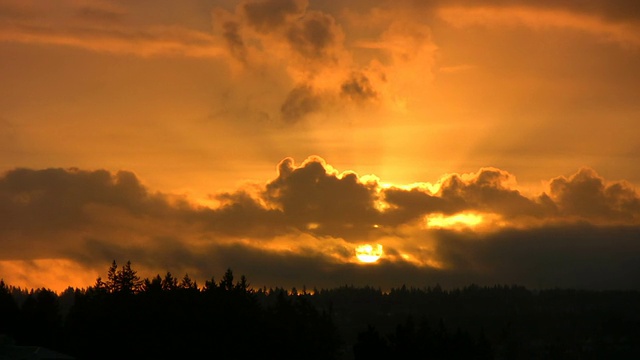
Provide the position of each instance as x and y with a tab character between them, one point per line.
368	253
468	220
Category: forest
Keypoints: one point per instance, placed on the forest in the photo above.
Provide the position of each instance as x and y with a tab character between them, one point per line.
167	317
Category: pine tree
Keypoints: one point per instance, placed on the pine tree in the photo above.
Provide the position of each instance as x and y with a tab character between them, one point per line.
112	275
169	282
153	285
227	280
187	283
125	280
128	280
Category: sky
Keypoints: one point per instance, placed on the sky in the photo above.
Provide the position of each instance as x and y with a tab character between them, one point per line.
307	143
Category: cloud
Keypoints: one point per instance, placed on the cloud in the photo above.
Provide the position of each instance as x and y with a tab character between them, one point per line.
269	15
315	196
101	13
586	195
299	44
313	36
571	256
301	101
358	88
55	198
329	74
488	191
101	27
285	30
234	40
541	18
240	214
302	227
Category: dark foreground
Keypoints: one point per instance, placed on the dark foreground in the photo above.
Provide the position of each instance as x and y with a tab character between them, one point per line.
167	318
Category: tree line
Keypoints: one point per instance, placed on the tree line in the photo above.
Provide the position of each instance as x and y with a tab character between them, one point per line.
126	317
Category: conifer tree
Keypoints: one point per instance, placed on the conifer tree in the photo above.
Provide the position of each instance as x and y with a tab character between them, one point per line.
169	282
227	280
112	275
128	280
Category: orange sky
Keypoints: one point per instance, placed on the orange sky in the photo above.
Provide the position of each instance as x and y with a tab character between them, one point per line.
475	141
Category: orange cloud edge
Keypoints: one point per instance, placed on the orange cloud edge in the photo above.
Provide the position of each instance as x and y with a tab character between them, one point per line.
309	211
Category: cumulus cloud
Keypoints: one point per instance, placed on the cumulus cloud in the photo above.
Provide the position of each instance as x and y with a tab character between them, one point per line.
309	42
315	196
302	227
285	30
587	195
489	191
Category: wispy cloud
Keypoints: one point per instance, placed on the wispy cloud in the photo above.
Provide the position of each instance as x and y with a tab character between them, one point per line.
543	19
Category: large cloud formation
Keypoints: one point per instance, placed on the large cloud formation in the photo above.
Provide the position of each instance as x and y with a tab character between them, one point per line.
301	228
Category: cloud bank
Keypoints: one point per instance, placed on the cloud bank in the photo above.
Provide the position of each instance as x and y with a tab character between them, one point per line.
301	228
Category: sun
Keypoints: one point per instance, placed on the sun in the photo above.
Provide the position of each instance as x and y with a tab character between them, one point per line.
368	253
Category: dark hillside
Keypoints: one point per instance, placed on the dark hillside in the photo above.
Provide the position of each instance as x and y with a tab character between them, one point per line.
128	317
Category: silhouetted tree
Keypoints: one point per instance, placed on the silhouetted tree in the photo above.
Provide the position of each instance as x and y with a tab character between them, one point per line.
210	286
163	318
371	345
127	280
40	319
122	281
112	278
152	286
187	283
9	310
169	282
227	280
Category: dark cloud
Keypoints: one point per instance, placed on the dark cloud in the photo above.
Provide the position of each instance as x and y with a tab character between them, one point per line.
100	15
316	270
160	252
623	10
487	191
577	256
301	227
585	194
241	214
268	15
57	198
581	255
313	36
309	194
231	34
301	101
409	205
358	88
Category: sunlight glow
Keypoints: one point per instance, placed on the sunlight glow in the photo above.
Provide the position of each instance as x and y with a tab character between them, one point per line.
52	274
368	253
468	220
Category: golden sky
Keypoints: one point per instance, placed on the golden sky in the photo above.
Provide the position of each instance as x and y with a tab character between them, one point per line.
461	141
